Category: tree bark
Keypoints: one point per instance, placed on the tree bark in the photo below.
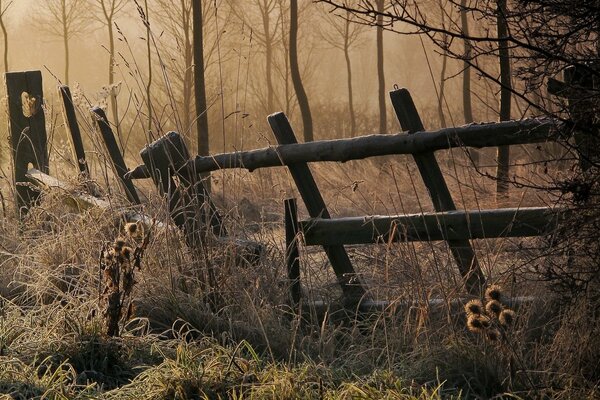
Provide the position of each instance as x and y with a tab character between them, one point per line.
380	70
466	76
188	59
503	153
4	32
149	55
295	71
349	69
268	57
65	39
442	88
111	81
199	81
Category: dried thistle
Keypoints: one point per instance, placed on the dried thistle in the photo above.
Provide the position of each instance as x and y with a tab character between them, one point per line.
493	292
134	229
474	307
494	308
477	323
493	335
507	318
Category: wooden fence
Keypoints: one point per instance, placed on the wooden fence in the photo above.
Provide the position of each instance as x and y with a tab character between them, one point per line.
177	176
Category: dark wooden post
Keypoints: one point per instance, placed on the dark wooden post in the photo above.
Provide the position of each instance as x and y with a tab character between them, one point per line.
438	190
72	129
112	148
582	93
292	253
351	286
27	126
189	203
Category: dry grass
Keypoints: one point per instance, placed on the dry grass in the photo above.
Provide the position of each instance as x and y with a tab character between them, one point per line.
53	343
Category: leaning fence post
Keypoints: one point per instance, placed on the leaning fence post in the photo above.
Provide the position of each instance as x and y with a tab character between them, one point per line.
27	127
292	253
72	128
351	286
118	162
438	190
166	158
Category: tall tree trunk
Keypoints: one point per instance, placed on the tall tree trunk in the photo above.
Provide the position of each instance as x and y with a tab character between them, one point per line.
3	26
503	153
466	76
111	81
188	59
65	39
199	82
149	56
268	58
349	69
442	87
295	71
380	71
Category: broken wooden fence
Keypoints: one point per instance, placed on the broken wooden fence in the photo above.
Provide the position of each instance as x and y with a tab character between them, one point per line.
456	227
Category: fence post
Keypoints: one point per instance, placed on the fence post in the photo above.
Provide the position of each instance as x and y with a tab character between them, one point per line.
462	250
347	278
72	128
118	162
189	204
27	127
292	253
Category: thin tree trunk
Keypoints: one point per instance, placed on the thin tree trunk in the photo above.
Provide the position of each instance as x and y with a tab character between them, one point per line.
199	82
5	37
65	39
380	70
111	81
188	72
442	88
503	153
268	58
466	77
349	69
295	71
149	55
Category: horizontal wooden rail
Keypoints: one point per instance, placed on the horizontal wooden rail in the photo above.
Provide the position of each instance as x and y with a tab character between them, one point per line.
450	225
475	135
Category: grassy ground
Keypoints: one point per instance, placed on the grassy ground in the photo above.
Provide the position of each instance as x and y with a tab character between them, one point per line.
179	345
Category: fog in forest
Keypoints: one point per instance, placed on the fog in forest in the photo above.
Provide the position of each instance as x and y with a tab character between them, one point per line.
235	60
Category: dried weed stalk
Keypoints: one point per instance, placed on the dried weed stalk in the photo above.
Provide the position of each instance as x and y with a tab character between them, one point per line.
118	262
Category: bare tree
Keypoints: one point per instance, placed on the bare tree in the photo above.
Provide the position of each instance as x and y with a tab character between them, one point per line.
265	33
503	153
307	122
64	19
341	33
106	12
466	75
4	6
199	81
380	69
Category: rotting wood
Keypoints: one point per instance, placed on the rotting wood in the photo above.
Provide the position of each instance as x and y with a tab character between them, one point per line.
347	277
481	224
27	126
433	178
72	128
118	163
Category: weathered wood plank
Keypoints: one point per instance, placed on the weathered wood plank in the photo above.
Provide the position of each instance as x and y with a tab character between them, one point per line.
292	253
461	249
118	163
481	224
351	286
72	128
27	127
